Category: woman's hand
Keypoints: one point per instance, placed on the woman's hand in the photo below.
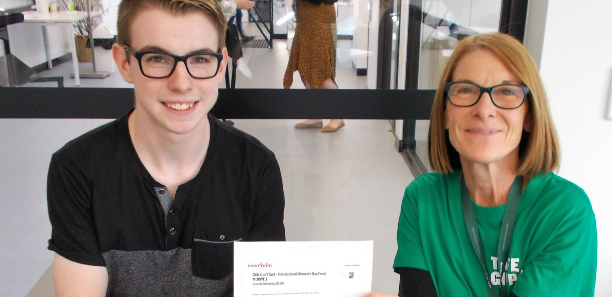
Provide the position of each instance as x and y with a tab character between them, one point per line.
245	4
376	294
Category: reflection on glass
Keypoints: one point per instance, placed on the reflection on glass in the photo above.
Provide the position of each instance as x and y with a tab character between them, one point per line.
444	22
395	37
260	67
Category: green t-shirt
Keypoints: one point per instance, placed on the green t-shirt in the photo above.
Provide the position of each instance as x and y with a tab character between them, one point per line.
553	250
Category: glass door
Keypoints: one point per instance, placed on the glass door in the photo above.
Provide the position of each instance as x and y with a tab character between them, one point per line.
434	29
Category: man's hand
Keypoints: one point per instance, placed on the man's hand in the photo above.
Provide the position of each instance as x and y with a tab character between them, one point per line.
75	279
245	4
376	294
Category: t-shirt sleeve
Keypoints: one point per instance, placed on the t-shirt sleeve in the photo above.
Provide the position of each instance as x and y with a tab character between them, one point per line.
269	208
566	266
69	202
409	245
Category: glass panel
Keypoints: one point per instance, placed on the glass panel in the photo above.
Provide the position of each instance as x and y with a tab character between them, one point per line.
10	6
395	19
444	22
358	28
260	67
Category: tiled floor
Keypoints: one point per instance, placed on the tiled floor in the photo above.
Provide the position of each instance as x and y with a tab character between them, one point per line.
339	186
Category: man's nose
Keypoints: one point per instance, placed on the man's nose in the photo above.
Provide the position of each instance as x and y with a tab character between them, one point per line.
180	79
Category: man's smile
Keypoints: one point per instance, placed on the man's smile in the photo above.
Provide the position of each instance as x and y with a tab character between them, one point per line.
180	106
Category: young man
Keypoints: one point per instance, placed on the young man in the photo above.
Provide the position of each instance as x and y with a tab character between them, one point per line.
150	204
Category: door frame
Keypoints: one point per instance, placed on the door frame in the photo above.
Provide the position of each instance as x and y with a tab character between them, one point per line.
513	16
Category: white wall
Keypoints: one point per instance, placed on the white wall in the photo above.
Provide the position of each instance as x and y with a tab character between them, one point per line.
361	17
281	9
110	14
26	40
534	29
373	24
576	66
345	22
27	44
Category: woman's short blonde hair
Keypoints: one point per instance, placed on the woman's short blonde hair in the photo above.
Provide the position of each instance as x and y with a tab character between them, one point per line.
539	148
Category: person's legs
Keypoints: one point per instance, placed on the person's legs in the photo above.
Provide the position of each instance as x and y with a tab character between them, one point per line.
239	22
312	123
334	124
238	16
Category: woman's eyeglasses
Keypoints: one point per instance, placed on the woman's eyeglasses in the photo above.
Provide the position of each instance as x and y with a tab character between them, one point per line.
505	96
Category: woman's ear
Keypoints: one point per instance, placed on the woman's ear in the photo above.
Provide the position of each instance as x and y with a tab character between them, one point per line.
528	122
446	119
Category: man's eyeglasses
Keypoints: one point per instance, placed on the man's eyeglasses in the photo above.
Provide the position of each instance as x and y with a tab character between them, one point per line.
505	96
161	65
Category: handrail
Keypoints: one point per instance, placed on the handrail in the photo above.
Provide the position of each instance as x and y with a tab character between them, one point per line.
95	103
270	30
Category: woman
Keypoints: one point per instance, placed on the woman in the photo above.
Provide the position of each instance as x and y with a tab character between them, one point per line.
313	53
492	144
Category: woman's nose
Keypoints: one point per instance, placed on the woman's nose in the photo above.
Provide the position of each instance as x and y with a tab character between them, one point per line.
485	107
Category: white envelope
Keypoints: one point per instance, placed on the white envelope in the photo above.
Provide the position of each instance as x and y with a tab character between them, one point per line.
309	268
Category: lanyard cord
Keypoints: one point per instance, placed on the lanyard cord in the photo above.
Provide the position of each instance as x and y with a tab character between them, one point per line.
505	235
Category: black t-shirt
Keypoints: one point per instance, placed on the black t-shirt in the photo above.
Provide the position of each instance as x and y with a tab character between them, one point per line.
106	210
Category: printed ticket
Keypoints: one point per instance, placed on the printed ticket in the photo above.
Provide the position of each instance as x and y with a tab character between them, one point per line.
309	268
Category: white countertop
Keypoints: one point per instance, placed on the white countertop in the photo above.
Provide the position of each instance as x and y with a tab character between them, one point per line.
56	17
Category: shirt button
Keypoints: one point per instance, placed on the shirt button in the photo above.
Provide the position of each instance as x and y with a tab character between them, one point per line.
222	237
172	231
162	191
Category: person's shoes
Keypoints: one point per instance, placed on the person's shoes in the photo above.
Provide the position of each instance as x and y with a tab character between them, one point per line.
328	128
317	125
247	39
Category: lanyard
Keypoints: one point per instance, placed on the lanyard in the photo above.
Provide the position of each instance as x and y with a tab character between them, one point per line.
505	235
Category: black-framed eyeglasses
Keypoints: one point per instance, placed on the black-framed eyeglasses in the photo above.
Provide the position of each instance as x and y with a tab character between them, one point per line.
504	96
161	65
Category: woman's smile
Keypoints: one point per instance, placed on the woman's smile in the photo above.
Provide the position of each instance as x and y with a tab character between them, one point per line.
482	131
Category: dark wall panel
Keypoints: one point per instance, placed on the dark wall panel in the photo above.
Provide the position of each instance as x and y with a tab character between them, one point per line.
231	104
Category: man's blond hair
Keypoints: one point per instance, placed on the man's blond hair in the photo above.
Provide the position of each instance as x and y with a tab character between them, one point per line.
128	9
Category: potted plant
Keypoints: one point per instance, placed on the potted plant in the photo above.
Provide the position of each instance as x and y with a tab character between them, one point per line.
81	28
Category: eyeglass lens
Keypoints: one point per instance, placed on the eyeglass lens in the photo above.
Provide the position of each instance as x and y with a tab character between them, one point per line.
504	96
160	65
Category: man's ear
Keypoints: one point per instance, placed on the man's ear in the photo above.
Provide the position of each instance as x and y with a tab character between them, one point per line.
122	62
223	64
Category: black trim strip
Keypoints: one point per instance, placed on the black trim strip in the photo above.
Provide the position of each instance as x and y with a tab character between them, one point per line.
414	162
232	104
279	36
344	37
513	18
12	16
415	19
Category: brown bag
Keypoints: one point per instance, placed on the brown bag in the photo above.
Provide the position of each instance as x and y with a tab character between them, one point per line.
232	41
